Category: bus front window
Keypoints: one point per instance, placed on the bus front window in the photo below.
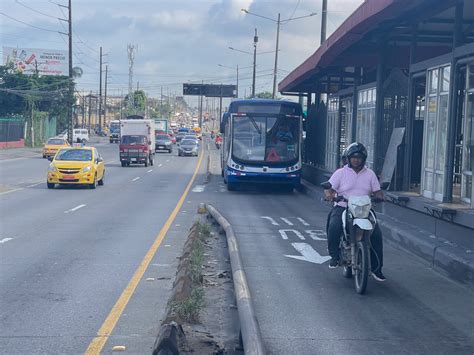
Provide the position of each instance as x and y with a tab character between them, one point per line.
265	139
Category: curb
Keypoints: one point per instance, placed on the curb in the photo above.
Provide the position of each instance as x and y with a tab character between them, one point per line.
250	330
442	255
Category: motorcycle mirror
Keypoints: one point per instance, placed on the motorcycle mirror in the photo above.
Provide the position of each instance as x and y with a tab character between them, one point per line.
326	185
384	186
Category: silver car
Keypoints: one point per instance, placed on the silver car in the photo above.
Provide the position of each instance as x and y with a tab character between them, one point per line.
188	147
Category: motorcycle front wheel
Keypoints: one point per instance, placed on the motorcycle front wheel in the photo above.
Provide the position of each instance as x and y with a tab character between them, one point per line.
361	269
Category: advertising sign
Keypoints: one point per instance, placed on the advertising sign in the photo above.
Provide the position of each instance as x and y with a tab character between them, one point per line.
210	90
33	60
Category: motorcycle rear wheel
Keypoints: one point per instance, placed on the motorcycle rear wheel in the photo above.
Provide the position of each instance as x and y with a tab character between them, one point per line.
361	269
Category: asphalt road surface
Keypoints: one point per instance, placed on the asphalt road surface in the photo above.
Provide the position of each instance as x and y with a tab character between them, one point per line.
68	254
303	307
70	261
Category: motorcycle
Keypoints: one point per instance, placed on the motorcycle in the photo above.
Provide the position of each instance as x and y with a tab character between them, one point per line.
358	221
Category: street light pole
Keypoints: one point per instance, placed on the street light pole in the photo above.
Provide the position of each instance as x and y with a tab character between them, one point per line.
255	40
276	59
237	87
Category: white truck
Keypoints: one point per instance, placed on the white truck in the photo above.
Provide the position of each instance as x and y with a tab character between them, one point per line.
137	142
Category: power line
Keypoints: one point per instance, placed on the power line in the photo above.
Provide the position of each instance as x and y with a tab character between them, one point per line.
294	10
38	12
30	25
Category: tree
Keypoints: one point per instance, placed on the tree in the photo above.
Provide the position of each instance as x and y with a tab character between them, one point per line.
261	95
137	102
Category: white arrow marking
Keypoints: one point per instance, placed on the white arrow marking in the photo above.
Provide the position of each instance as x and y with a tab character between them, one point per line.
137	178
4	240
75	208
272	221
286	221
284	235
317	234
303	222
308	254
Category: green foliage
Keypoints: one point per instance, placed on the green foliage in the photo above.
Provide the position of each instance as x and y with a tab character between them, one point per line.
188	310
261	95
196	260
204	230
137	102
22	93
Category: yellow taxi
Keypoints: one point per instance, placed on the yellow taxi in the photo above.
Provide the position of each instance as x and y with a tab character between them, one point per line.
53	145
77	165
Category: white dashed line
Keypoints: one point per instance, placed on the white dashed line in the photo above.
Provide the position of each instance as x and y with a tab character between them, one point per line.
137	178
75	208
14	190
149	171
4	240
160	165
36	184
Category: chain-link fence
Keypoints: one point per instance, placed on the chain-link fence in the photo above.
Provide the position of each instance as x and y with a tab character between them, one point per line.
12	132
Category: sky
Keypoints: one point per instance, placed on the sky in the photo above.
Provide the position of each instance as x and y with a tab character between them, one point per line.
176	41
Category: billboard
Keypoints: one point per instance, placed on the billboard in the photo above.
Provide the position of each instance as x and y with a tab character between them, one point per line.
42	61
210	90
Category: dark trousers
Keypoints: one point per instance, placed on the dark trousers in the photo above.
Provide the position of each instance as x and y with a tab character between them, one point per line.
334	232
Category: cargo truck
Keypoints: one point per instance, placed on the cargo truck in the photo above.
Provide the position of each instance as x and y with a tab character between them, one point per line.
137	142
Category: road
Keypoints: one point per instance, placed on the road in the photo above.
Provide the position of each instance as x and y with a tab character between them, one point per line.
70	262
303	307
68	254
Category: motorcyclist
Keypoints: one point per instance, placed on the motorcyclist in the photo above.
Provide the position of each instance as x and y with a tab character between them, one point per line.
218	141
354	179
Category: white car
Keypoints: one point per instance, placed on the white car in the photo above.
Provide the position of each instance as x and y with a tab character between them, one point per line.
80	135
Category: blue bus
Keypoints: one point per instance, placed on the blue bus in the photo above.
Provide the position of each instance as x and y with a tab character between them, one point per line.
262	143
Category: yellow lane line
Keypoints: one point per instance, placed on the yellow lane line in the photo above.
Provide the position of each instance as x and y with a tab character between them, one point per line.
96	345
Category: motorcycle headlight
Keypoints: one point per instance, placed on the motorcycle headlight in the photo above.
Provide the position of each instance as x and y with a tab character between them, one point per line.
52	168
361	211
87	169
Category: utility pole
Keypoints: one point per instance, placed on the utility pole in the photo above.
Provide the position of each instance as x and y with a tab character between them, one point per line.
131	59
255	40
90	104
161	102
121	103
71	83
105	97
237	86
83	111
275	69
100	92
324	16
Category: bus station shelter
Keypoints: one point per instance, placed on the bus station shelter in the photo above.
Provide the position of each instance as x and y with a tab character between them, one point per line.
404	66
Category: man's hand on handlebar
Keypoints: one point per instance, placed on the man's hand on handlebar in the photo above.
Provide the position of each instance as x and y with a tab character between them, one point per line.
329	195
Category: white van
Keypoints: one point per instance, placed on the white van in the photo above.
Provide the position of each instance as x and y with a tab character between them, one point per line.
80	135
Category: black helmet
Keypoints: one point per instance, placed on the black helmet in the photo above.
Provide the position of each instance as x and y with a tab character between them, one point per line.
355	148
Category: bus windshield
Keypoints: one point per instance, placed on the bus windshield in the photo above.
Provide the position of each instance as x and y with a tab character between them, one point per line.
268	139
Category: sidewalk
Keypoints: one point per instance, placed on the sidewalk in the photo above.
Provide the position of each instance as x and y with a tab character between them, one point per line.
452	256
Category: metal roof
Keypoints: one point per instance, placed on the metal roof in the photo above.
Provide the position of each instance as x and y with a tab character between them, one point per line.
366	26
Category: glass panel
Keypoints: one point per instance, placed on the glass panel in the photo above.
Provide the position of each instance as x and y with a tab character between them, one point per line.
439	183
428	186
442	130
471	76
434	81
446	79
467	186
469	133
430	128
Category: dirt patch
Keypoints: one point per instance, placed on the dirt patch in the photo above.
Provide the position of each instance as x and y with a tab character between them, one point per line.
202	314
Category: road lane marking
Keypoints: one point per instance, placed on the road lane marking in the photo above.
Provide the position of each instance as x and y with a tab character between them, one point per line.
317	234
137	178
308	254
272	221
199	188
4	240
35	184
160	165
286	221
303	222
284	233
74	209
9	191
96	345
149	171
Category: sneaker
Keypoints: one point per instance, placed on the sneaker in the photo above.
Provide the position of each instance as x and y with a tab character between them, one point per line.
334	263
379	276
